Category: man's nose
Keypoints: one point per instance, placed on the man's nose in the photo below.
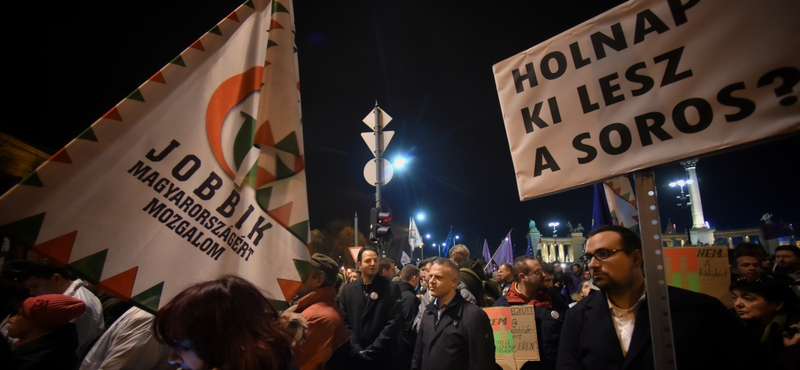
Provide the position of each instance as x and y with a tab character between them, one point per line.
174	357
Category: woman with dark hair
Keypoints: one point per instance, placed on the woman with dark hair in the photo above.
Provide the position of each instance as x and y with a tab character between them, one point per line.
223	324
769	309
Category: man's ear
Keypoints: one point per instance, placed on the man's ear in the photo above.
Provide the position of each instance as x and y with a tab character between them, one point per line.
638	259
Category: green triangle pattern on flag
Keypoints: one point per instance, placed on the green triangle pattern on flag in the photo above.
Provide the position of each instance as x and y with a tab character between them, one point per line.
250	4
136	95
32	180
24	231
215	30
271	43
289	144
303	268
179	61
91	266
278	7
282	171
278	305
262	198
88	135
244	139
150	298
300	230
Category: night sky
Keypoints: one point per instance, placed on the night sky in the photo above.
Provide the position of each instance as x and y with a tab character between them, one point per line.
428	64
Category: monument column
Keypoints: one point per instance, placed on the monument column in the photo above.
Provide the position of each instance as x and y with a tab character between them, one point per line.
701	233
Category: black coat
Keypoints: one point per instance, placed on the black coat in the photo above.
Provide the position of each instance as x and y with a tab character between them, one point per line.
706	336
54	350
408	335
463	339
373	323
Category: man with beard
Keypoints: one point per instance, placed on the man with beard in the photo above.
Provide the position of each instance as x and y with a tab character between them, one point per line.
529	289
371	308
612	330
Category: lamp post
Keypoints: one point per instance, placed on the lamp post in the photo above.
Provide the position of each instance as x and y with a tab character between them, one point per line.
685	203
554	225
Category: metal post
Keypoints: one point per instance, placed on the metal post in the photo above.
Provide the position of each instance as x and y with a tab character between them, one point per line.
355	230
657	293
378	162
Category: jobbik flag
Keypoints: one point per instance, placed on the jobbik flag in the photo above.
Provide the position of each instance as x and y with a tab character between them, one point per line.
615	204
199	172
414	238
649	82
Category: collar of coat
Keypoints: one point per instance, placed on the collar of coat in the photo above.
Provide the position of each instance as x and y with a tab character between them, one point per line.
454	306
543	299
321	295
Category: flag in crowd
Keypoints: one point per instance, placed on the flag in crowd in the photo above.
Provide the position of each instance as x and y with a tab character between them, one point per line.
414	236
530	251
448	243
505	252
405	259
615	204
487	256
205	157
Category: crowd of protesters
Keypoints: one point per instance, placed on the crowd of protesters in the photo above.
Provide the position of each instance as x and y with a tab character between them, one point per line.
430	315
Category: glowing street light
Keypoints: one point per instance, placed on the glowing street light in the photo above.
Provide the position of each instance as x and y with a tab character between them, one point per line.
458	237
399	162
420	216
684	203
427	236
554	225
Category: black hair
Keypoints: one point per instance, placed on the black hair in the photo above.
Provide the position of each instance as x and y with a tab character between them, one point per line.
363	249
42	269
630	241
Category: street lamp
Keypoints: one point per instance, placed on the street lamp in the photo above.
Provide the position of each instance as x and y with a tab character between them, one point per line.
420	216
457	237
399	162
427	236
554	225
684	204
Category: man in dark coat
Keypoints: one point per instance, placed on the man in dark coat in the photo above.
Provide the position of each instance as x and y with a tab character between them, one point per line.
549	309
612	330
371	309
409	279
453	334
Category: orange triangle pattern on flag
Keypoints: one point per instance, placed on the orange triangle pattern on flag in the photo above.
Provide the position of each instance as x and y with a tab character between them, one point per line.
61	156
289	288
121	285
282	214
113	114
59	248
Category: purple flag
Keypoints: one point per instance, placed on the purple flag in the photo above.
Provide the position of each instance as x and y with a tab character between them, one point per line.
486	256
504	253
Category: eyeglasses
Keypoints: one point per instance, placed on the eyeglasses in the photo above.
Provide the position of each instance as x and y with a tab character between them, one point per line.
601	255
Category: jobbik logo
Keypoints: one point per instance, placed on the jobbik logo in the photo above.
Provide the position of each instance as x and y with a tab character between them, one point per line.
245	151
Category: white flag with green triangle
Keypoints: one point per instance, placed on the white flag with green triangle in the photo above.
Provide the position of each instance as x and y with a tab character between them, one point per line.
197	173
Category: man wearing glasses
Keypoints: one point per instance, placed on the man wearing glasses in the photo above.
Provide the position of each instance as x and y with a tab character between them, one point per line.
612	330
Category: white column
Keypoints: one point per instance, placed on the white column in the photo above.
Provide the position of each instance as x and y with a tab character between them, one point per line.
694	191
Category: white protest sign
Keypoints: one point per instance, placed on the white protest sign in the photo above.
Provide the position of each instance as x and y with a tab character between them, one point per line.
646	83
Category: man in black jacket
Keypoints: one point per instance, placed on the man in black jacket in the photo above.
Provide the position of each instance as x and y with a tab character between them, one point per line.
371	309
612	330
453	334
409	279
